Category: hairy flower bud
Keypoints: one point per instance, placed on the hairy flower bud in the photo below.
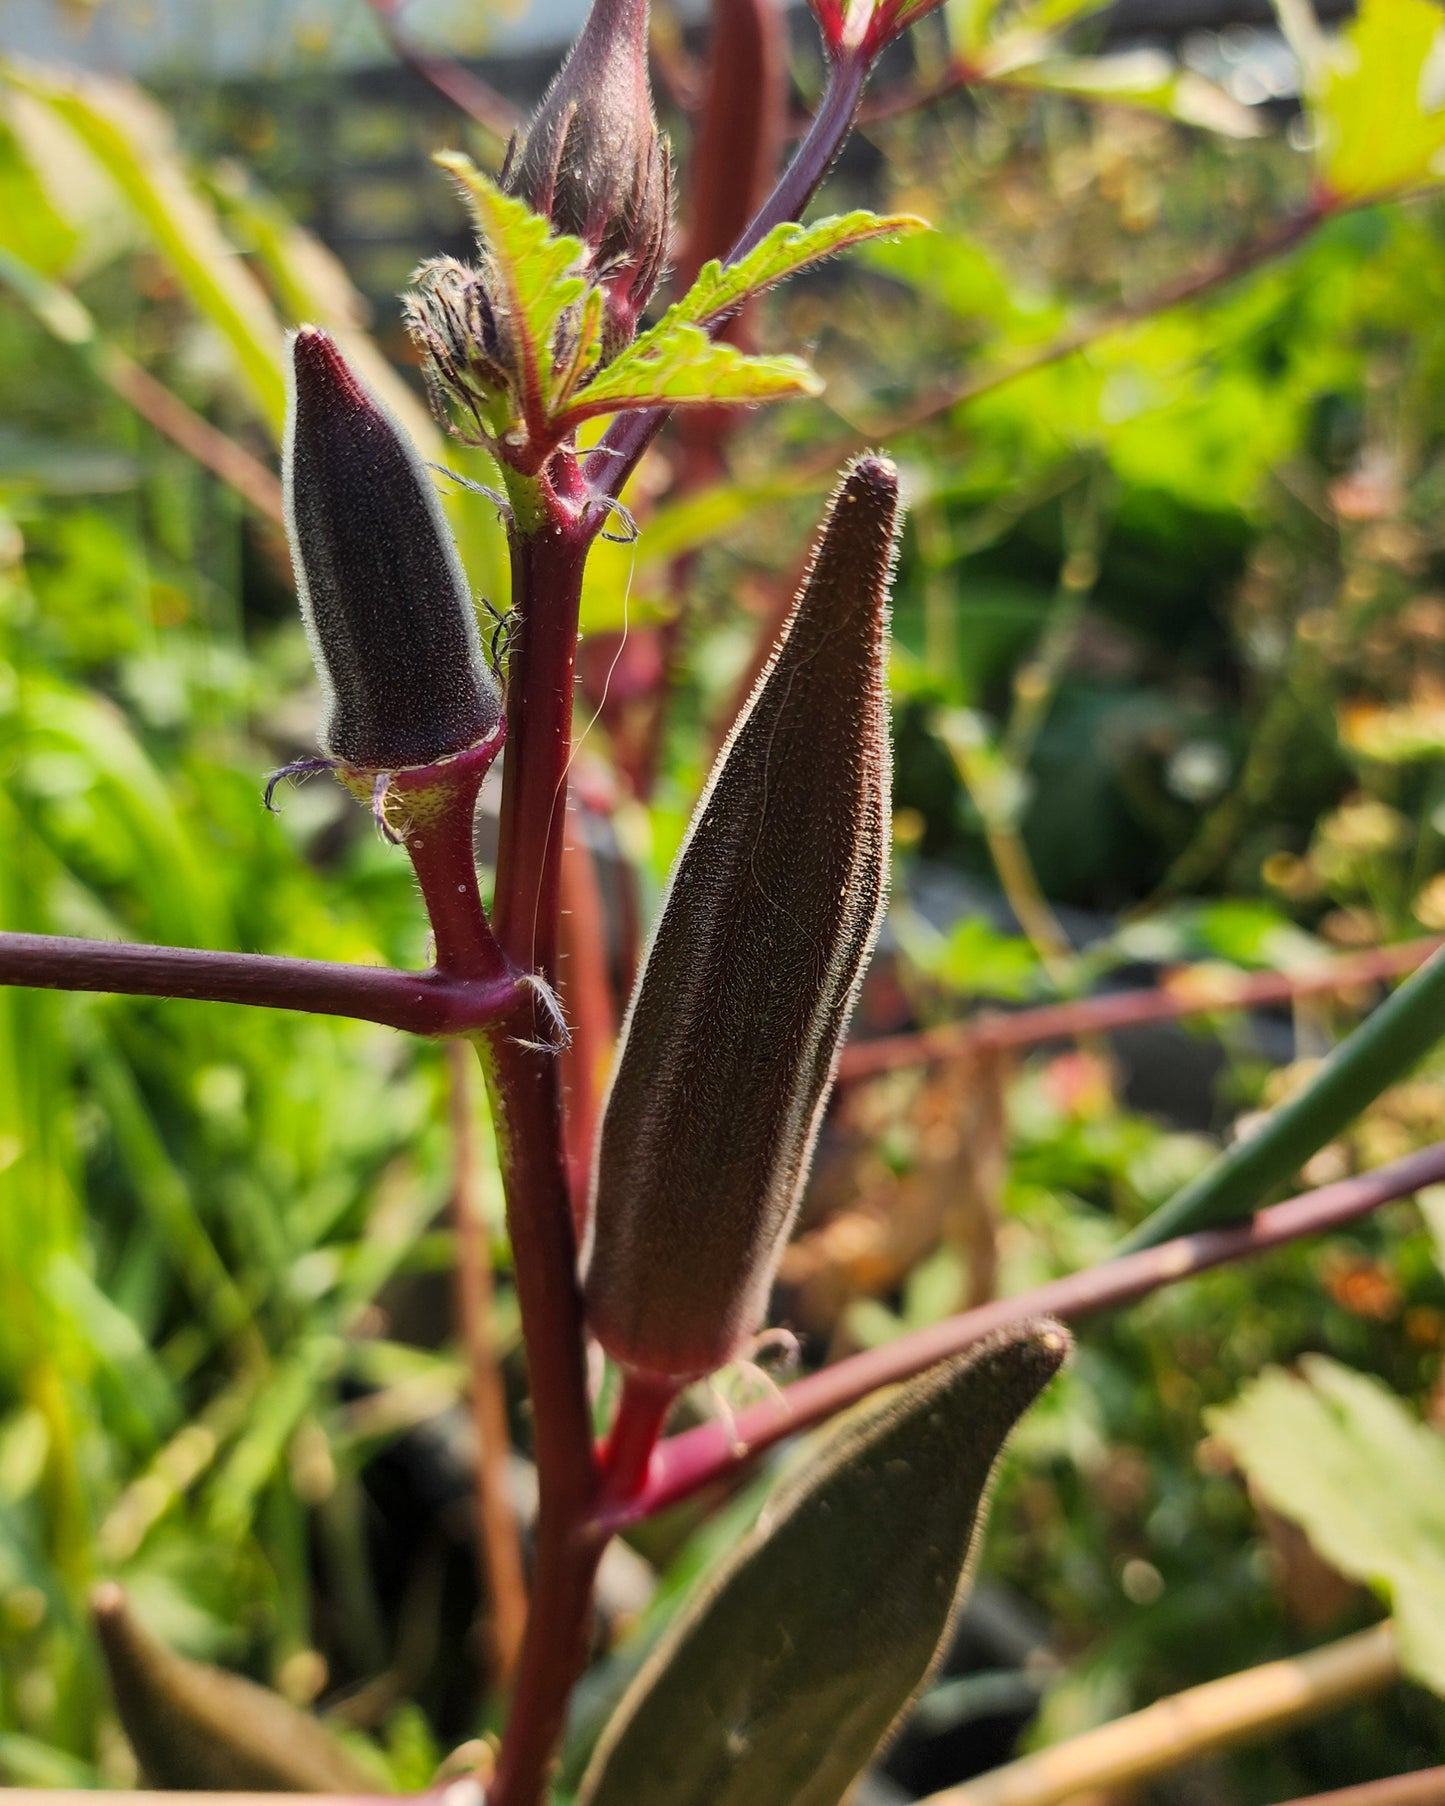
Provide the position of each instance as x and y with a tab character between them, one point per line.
770	916
595	164
386	604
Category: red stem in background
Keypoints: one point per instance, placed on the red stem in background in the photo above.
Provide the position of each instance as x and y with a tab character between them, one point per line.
588	1004
422	1003
684	1464
1187	991
467	92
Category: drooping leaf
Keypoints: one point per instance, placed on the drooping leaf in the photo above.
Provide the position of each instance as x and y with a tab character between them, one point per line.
195	1726
789	1670
1338	1454
1380	127
130	138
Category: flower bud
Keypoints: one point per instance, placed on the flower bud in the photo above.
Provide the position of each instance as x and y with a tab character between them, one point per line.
772	910
595	164
385	602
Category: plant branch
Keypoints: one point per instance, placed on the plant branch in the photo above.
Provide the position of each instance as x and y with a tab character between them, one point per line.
468	93
421	1003
1255	1703
499	1545
1184	992
699	1457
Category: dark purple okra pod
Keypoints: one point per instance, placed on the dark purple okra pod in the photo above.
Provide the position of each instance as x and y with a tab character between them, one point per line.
386	604
772	910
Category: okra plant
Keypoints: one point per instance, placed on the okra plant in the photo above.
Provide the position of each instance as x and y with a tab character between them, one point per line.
657	1241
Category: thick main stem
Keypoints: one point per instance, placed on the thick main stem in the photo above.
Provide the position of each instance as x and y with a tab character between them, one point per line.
526	1089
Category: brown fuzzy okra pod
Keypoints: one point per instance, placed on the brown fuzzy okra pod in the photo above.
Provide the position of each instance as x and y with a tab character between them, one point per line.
772	910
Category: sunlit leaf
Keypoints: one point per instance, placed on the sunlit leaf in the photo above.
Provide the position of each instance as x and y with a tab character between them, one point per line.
1379	127
1338	1454
685	367
537	269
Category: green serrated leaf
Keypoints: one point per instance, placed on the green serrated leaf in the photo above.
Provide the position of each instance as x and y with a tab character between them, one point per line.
538	270
1338	1454
676	362
780	1681
786	250
1380	129
130	138
687	368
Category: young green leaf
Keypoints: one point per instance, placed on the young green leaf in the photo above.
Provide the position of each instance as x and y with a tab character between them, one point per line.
688	367
1339	1455
771	913
194	1726
785	251
784	1676
539	276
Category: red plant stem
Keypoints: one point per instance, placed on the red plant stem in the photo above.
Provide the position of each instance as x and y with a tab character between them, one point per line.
612	463
547	589
642	1411
443	855
588	1004
466	92
422	1003
526	1088
499	1546
1426	1787
684	1464
1181	995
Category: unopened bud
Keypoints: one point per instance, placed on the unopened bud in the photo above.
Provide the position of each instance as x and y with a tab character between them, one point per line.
770	916
595	164
386	604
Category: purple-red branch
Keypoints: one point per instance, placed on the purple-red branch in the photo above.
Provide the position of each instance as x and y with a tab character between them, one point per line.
421	1003
684	1464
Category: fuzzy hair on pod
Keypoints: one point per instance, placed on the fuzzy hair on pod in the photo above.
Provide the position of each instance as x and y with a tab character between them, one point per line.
595	164
386	604
774	903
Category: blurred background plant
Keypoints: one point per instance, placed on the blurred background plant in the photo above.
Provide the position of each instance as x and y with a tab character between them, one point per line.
1170	687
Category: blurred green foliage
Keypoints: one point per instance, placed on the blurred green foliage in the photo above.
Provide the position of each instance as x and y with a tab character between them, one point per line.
1171	629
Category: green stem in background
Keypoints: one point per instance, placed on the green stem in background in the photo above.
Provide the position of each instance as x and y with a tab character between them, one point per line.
1380	1052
